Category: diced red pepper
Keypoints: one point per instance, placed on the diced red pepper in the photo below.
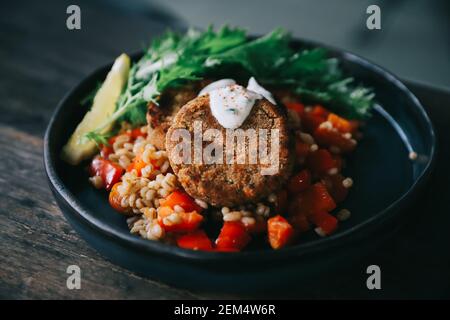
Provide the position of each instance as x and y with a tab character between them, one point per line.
320	111
333	138
298	107
233	235
105	151
299	182
137	132
315	198
320	162
335	187
189	221
197	240
312	119
279	231
109	171
302	149
181	198
325	221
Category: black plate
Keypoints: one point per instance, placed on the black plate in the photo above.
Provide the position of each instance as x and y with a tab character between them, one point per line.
386	182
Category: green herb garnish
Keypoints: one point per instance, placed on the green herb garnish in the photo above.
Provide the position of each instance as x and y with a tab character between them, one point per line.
175	59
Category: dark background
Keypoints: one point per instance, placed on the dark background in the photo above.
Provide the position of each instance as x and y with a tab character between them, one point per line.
40	60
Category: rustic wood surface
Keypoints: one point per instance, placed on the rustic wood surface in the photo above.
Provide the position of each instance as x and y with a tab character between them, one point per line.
40	60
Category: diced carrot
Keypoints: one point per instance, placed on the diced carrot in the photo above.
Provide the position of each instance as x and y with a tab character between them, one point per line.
325	221
341	124
197	240
279	231
298	107
332	138
188	221
233	235
138	164
115	200
299	182
109	171
335	187
181	198
320	162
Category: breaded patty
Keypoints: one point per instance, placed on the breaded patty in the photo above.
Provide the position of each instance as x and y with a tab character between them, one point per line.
159	118
230	184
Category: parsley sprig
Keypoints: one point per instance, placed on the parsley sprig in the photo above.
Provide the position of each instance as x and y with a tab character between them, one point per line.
174	59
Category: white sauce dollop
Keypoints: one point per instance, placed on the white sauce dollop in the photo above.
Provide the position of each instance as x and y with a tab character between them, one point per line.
232	104
216	85
256	87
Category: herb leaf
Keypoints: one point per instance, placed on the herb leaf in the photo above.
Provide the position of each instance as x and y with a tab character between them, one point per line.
174	59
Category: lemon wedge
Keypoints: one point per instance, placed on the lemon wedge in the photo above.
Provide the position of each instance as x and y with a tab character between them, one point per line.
78	148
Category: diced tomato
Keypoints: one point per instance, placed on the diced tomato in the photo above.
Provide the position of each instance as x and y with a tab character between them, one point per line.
299	182
341	124
298	107
320	162
197	240
325	221
301	149
279	231
300	222
328	137
110	172
282	201
233	235
335	187
115	200
181	198
189	221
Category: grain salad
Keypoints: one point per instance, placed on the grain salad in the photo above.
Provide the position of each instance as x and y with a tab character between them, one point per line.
208	144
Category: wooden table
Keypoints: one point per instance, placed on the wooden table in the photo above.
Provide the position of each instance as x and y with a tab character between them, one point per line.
40	60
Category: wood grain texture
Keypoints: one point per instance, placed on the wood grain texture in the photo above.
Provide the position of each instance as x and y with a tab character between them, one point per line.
40	60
